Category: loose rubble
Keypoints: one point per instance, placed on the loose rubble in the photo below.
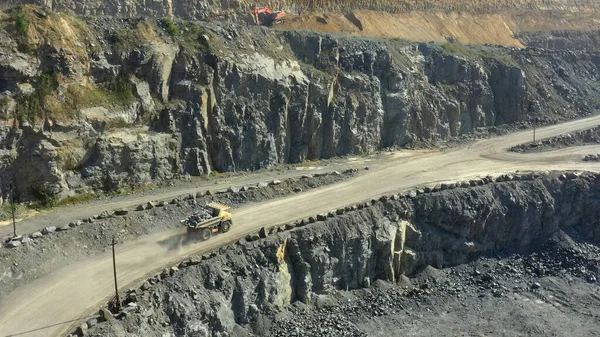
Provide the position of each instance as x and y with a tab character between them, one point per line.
592	157
337	271
585	137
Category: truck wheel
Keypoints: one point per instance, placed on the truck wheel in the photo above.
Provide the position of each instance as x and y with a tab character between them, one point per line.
206	233
225	226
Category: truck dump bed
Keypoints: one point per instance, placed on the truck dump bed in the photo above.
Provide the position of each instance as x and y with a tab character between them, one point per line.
207	216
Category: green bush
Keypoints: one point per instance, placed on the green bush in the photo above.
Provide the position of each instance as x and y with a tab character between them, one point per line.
122	90
76	199
21	21
171	27
498	56
4	105
30	107
459	49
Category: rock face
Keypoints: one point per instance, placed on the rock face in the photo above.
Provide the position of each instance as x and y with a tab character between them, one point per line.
385	241
567	40
202	9
250	98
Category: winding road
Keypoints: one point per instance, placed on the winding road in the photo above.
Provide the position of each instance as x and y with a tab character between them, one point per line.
53	303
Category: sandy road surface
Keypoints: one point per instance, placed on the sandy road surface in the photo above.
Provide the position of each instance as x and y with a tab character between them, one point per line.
79	211
49	305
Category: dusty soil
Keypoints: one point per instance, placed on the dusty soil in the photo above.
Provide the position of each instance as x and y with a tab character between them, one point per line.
413	26
30	220
89	281
550	292
499	28
88	239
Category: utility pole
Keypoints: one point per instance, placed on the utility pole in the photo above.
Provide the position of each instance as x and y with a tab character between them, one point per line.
534	123
13	210
117	300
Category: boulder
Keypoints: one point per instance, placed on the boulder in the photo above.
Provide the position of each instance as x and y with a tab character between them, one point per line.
150	205
82	330
321	217
262	233
104	215
145	286
48	230
121	211
233	189
252	237
13	244
36	235
140	207
262	185
63	228
92	322
26	240
105	315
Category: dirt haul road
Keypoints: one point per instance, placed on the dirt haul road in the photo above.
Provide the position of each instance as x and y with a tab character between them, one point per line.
81	211
51	304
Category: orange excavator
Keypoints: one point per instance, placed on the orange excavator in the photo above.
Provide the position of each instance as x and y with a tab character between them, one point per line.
266	16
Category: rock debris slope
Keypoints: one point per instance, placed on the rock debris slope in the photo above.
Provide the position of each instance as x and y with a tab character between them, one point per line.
233	289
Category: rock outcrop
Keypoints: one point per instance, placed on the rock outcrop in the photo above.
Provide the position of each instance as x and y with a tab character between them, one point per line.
203	9
226	97
213	295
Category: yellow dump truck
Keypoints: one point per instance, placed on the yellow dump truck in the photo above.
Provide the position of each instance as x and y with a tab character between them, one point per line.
212	218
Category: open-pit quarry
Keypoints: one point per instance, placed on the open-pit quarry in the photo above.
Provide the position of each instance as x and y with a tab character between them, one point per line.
394	168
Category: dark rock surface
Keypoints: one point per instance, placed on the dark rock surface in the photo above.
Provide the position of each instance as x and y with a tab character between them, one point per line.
251	98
